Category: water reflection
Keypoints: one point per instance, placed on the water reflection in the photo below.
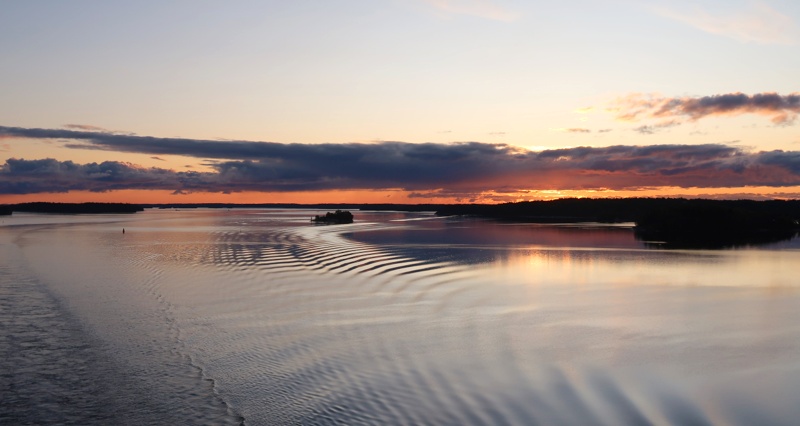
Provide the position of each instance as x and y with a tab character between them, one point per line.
413	319
721	241
580	253
478	232
487	233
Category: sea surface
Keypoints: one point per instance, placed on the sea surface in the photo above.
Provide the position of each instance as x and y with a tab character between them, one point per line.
258	317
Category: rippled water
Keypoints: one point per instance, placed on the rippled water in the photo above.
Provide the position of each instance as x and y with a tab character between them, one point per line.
259	317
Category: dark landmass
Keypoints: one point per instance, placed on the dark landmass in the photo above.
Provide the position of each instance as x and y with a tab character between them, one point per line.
337	217
715	225
75	208
667	222
321	206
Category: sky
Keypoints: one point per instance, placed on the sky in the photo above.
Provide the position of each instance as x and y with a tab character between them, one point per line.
398	101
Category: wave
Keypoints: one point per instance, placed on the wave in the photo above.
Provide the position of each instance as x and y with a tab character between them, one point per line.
286	323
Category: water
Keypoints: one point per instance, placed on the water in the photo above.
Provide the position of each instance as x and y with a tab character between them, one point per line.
259	317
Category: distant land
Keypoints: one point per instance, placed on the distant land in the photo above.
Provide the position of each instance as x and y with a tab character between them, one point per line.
70	208
667	222
317	206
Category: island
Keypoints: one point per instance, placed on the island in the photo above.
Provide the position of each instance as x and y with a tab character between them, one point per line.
661	222
337	217
5	210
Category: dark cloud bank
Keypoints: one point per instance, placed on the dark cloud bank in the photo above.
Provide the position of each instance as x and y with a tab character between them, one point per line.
782	109
458	168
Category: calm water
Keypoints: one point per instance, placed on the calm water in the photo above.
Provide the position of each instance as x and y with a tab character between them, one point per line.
259	317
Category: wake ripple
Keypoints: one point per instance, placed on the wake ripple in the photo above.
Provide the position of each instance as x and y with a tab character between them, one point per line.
300	325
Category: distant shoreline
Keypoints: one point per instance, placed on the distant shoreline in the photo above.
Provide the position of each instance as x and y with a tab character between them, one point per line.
70	208
672	222
668	222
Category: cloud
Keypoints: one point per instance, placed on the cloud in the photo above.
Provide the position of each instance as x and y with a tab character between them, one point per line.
653	128
487	9
84	127
21	176
155	157
574	130
457	168
759	23
782	109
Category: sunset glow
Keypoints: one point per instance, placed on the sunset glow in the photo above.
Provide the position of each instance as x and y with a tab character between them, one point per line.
413	101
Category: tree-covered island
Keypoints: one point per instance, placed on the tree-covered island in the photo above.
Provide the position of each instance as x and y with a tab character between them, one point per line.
337	217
